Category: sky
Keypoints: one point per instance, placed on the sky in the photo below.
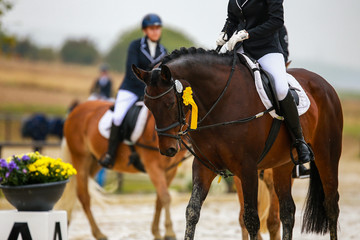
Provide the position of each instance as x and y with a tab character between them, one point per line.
322	31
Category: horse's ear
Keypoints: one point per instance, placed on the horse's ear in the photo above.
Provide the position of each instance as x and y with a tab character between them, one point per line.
165	73
140	74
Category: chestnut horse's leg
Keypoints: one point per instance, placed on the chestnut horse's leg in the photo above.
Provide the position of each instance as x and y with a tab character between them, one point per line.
282	183
202	178
83	164
161	181
244	232
169	232
155	224
273	220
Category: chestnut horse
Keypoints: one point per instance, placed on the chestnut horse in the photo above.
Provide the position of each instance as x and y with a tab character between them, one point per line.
268	207
237	147
86	145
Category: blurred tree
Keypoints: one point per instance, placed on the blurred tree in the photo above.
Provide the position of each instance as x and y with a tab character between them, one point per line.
80	51
25	48
46	54
171	39
7	44
5	6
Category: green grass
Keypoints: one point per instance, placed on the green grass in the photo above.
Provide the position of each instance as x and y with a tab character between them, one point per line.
131	186
349	95
137	183
352	130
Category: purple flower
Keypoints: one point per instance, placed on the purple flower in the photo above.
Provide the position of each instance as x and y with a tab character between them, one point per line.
7	174
25	158
12	166
3	163
1	179
24	171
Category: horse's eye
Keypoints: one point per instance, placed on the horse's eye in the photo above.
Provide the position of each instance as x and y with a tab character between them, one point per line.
170	105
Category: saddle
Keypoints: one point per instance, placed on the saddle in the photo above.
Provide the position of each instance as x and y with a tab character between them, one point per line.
265	87
134	125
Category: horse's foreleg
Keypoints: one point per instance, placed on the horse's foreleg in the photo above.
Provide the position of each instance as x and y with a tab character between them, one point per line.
273	220
84	197
282	183
155	224
202	178
249	185
169	232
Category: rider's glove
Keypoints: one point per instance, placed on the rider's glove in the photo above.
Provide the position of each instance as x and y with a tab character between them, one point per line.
221	39
237	37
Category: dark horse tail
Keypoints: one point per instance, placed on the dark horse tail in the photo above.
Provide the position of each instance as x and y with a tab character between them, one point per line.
315	219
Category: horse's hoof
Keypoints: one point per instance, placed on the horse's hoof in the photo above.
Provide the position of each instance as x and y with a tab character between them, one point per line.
169	238
103	237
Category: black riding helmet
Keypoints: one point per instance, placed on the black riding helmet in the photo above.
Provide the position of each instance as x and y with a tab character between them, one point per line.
151	20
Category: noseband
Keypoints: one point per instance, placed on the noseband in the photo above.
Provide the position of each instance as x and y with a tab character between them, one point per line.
177	87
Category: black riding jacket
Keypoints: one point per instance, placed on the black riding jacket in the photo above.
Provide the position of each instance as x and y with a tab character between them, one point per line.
262	19
139	55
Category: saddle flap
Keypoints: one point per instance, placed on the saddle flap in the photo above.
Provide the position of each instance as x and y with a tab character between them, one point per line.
266	89
135	121
269	87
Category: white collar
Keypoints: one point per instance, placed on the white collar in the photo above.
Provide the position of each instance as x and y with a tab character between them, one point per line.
152	47
241	5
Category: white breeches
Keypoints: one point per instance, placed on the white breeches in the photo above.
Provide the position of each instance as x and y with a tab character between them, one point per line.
124	100
274	63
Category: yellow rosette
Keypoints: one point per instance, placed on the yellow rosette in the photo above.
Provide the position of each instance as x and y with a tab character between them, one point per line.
188	99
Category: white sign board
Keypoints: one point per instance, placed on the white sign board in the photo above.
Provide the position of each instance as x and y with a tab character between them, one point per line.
15	225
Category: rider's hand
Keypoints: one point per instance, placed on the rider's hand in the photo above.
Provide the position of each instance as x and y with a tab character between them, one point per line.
237	37
221	39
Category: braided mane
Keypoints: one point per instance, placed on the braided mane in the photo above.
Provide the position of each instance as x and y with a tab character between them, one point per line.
192	51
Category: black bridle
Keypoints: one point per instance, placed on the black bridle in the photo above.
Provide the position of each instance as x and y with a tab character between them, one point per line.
181	120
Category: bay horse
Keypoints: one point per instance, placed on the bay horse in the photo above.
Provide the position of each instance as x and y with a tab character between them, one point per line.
85	145
237	147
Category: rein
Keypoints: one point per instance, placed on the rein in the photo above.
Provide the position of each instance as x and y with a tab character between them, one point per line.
224	90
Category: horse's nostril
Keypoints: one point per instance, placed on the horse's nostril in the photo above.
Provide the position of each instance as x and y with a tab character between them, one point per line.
171	152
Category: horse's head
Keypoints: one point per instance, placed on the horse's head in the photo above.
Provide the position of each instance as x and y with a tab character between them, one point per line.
163	99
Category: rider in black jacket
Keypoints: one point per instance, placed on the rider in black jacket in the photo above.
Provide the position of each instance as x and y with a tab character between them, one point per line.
145	53
256	24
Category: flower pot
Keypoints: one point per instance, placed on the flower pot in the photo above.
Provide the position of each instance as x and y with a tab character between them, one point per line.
34	197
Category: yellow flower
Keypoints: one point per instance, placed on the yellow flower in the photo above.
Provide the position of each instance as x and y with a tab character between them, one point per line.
44	168
32	168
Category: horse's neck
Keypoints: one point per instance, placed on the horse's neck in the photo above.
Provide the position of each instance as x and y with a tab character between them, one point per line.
205	84
208	83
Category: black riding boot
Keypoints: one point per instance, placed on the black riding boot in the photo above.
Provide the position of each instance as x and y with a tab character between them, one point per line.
116	136
292	122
